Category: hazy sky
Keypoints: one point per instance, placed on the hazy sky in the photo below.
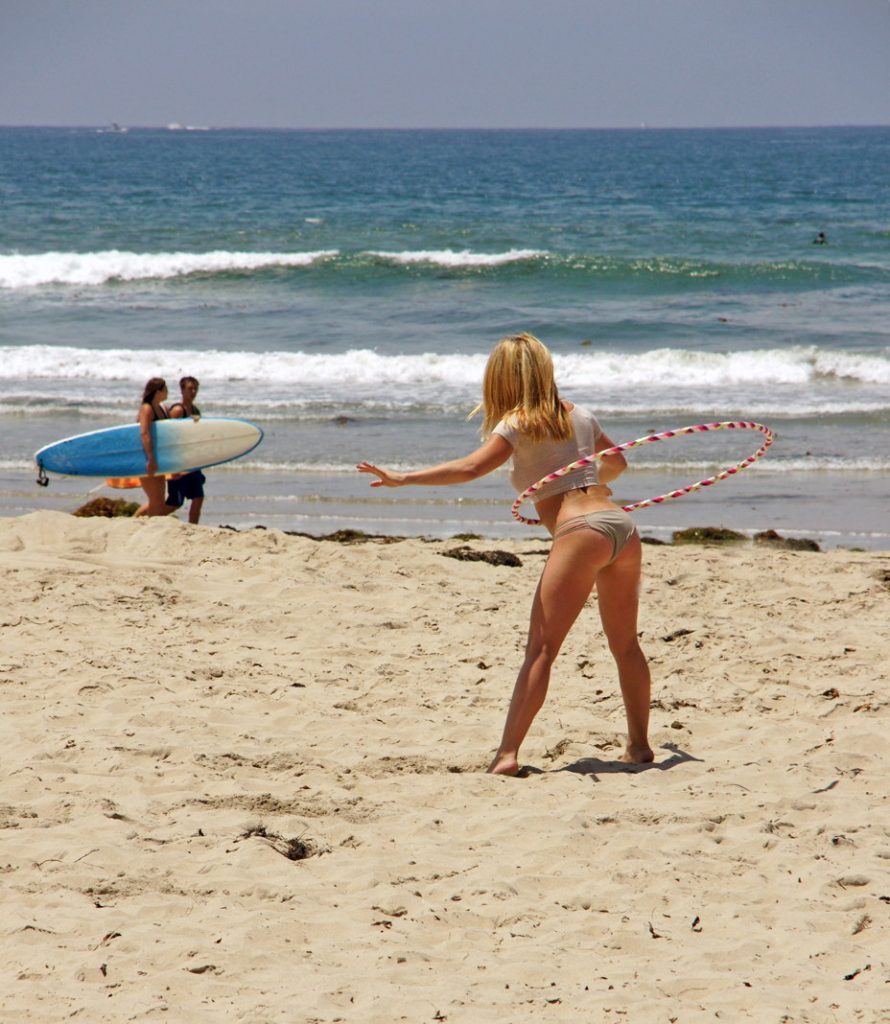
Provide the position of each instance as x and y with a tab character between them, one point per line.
445	63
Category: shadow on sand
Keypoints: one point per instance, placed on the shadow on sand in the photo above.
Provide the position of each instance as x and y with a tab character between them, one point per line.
596	766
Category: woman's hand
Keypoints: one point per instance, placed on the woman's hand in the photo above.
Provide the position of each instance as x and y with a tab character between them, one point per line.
386	479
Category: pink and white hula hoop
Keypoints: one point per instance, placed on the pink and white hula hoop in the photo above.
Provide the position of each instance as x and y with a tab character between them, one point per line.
663	436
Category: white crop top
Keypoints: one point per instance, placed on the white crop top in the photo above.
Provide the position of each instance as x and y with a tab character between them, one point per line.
533	460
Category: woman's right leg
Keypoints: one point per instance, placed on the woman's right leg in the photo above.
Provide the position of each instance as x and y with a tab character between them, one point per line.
618	588
565	584
155	488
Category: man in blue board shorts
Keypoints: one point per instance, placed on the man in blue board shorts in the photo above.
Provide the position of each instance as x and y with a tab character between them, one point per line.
190	486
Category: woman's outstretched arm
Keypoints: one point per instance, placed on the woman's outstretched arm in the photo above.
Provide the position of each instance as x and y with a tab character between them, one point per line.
486	458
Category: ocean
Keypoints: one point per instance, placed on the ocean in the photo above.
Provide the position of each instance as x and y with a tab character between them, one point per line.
343	288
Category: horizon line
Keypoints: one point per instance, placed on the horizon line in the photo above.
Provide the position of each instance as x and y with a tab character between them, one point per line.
177	127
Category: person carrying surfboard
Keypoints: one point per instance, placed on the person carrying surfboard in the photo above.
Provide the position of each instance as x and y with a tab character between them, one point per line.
151	409
188	486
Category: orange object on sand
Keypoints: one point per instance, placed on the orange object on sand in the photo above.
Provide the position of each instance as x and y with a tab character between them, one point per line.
131	481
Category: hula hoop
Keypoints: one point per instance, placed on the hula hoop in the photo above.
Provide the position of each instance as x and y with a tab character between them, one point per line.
650	439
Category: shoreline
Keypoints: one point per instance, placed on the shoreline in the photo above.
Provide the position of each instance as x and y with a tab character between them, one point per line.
836	510
701	535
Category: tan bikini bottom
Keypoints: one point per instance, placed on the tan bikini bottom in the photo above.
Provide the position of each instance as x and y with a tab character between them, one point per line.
611	522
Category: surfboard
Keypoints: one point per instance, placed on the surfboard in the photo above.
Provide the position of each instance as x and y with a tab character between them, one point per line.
180	445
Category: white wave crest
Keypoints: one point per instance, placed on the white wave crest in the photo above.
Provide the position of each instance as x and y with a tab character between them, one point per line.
96	268
853	366
684	367
356	367
466	258
802	378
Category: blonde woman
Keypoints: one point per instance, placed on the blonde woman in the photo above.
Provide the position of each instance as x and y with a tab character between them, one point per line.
594	542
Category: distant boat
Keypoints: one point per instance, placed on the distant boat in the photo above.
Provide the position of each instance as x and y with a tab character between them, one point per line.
113	129
175	126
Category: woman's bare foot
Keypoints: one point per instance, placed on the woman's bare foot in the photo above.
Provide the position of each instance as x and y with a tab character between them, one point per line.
503	764
637	755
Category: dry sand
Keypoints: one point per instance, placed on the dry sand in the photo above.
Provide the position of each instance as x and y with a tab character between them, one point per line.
186	709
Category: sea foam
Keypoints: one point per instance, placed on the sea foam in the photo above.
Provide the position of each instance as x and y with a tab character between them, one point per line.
96	268
593	369
29	270
465	258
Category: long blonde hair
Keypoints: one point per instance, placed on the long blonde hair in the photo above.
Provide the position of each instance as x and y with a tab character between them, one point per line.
518	381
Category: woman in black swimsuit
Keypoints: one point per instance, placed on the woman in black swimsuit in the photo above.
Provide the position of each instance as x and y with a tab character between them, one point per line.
155	487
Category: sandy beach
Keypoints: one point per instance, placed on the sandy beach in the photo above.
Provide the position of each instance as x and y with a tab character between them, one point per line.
242	781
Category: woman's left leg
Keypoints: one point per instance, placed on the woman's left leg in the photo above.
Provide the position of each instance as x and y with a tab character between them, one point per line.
618	588
564	587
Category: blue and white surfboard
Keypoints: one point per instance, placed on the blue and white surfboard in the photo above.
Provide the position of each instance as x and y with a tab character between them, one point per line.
180	445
